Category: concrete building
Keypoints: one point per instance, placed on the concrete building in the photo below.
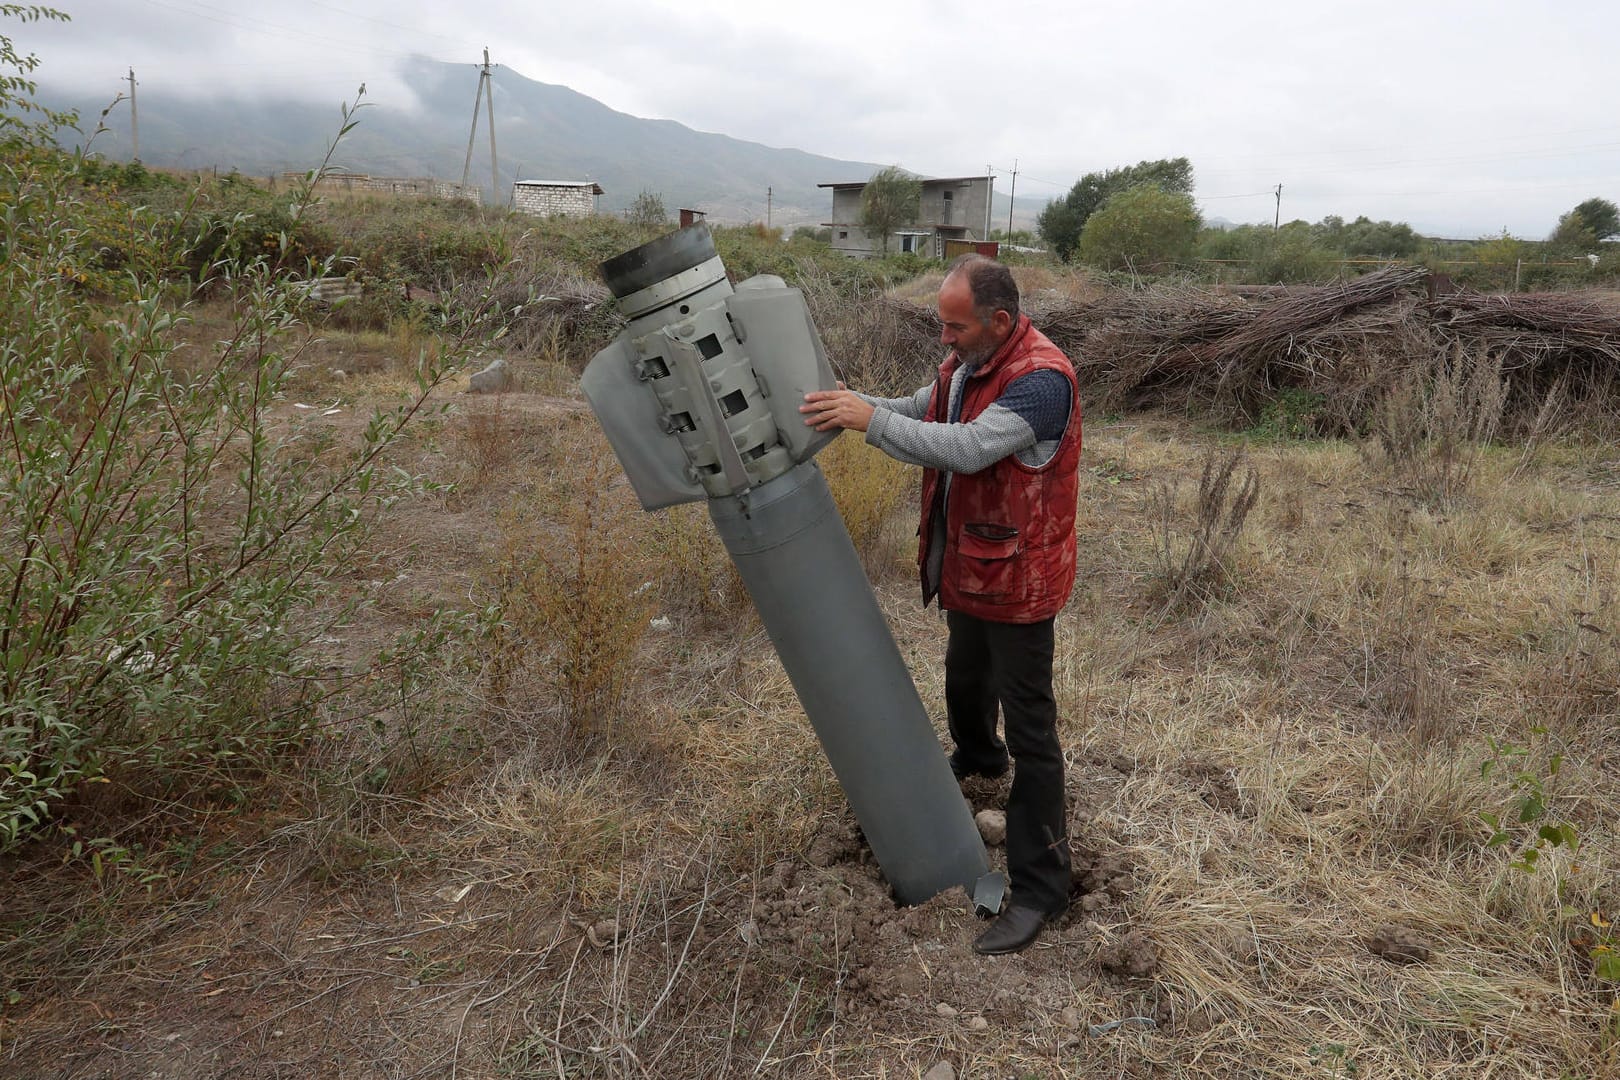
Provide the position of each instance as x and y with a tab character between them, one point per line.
951	208
420	187
556	198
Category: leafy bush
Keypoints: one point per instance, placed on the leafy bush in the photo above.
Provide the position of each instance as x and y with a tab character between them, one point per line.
1292	258
1143	226
167	544
1063	221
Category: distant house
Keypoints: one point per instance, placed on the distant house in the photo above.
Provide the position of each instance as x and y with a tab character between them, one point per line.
402	186
952	208
556	198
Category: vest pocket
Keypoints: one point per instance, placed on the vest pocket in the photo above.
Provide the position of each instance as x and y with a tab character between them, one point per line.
988	560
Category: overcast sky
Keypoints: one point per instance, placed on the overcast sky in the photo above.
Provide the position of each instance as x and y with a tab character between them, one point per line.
1461	118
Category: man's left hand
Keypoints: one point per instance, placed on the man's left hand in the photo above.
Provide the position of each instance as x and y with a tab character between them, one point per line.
825	410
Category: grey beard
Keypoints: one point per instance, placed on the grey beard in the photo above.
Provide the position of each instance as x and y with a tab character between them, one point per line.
976	357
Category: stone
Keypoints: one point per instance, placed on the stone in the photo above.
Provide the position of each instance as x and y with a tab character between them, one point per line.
945	1010
1399	945
992	826
978	1023
495	379
943	1071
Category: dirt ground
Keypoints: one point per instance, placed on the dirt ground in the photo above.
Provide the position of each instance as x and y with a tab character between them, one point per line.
1272	877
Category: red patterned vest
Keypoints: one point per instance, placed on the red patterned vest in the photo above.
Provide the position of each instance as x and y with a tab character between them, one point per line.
1009	528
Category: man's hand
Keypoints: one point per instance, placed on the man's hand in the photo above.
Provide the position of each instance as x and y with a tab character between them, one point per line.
825	410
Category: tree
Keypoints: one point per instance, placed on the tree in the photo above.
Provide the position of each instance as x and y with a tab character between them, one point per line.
1065	219
1365	238
1586	226
891	198
1141	226
648	210
1601	216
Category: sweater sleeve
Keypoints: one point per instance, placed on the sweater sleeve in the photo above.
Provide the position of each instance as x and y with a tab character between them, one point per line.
1028	417
957	448
915	406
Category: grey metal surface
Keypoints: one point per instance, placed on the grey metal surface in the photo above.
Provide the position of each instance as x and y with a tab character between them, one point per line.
659	259
699	397
634	420
804	576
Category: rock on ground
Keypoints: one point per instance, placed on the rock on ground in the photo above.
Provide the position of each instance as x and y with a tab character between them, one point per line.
992	826
1399	945
495	379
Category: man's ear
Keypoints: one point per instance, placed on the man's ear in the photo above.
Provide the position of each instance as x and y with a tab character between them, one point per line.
1002	323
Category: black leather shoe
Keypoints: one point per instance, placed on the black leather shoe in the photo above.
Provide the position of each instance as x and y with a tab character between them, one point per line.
1014	931
962	770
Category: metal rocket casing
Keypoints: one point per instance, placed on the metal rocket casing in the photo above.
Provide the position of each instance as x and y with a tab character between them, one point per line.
699	398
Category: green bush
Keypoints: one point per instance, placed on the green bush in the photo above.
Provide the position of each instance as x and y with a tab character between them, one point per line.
1292	258
167	549
1144	227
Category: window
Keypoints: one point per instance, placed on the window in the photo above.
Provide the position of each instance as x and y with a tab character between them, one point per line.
843	234
908	244
947	195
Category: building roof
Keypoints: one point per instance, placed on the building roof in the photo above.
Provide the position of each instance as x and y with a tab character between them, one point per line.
924	179
596	189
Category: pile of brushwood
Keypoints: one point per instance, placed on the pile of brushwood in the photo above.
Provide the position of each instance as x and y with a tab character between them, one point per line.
1343	347
1346	345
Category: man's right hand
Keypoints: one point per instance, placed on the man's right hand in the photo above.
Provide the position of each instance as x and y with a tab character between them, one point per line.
827	410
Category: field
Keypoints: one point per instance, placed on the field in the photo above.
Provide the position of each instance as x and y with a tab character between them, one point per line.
1338	684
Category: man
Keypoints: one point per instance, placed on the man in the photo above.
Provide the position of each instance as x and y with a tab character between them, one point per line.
998	436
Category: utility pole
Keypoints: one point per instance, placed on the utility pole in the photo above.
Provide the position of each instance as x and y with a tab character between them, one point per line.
989	197
1013	191
1276	222
134	121
769	192
484	90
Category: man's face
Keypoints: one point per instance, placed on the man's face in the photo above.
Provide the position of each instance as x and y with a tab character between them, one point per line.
960	325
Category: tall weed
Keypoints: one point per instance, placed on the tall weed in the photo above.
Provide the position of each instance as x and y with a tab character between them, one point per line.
1433	424
1195	564
574	600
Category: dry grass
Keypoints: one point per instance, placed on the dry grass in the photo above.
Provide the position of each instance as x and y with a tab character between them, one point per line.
612	849
870	489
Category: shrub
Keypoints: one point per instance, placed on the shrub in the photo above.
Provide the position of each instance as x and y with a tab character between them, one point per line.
1141	227
166	543
1433	424
1291	258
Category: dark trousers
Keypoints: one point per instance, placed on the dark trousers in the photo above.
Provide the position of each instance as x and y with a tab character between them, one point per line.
1010	664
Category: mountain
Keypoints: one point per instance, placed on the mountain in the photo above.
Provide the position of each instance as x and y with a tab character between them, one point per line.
542	131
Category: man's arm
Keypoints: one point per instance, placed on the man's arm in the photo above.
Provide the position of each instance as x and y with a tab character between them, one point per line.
825	410
1032	410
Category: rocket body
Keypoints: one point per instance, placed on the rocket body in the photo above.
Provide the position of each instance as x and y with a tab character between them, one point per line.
699	399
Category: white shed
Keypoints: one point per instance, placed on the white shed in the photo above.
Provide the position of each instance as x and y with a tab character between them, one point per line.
556	198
